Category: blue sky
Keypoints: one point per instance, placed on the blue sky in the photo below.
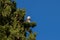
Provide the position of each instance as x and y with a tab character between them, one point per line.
46	13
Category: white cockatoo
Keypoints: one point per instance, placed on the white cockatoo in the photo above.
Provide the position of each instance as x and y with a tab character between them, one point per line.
28	19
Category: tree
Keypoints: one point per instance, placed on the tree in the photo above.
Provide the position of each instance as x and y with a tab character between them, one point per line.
12	23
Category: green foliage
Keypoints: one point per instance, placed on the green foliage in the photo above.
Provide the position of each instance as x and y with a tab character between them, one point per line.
12	23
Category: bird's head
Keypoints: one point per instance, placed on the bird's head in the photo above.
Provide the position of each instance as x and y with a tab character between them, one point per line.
28	18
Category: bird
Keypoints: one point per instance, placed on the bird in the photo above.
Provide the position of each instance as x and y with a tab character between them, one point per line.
28	19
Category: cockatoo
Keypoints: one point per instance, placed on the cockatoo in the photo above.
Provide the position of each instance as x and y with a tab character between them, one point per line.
28	19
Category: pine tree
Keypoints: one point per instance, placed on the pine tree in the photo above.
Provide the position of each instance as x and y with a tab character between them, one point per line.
12	23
